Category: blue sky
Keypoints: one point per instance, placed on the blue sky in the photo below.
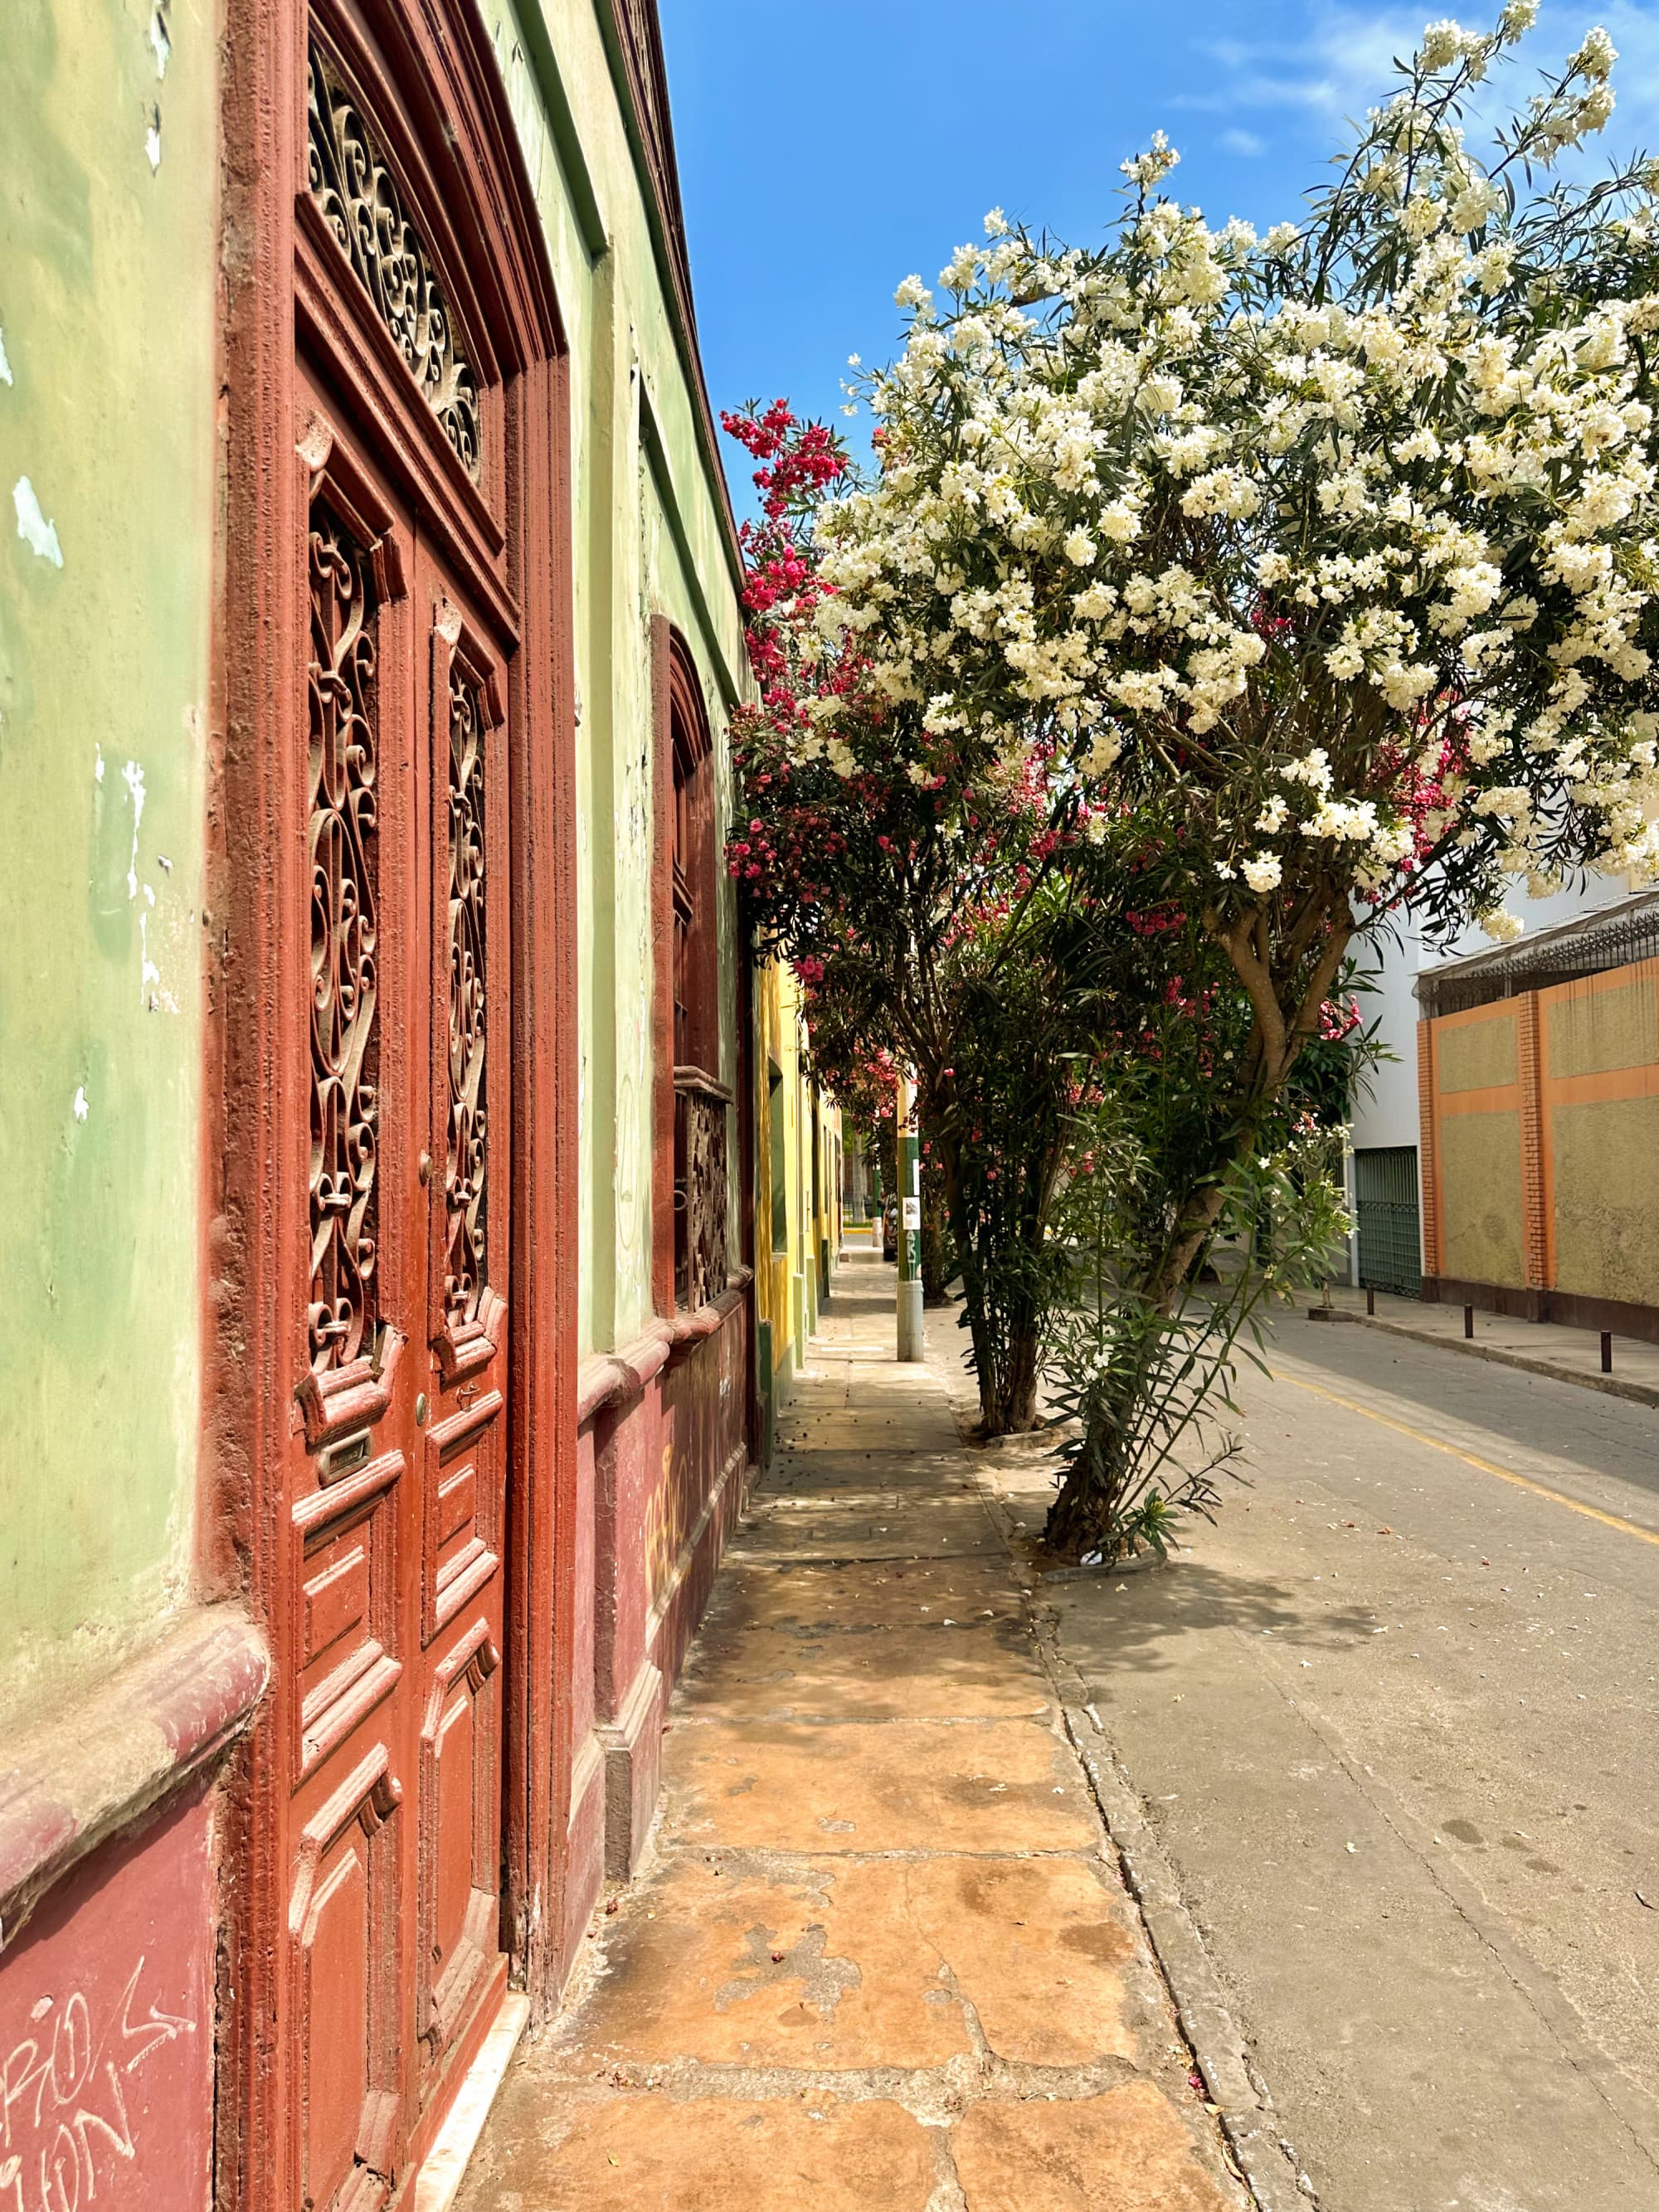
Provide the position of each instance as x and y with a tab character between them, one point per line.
825	151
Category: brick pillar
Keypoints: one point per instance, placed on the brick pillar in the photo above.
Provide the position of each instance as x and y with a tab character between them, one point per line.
1428	1159
1534	1239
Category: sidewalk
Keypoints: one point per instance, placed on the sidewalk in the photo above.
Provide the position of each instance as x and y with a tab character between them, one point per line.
1541	1347
881	1956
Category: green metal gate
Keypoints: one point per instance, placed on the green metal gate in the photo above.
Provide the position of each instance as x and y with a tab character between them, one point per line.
1391	1231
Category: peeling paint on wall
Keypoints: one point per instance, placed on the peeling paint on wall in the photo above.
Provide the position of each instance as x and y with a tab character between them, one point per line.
151	995
153	140
133	776
100	1368
32	527
5	366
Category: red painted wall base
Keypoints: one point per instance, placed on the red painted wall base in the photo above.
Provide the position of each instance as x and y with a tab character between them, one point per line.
107	2028
663	1470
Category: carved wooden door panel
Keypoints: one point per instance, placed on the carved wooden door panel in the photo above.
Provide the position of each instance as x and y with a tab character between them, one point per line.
351	1521
463	1583
397	1521
392	1655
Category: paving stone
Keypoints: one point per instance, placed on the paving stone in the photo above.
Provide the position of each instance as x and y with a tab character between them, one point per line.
1127	2151
936	1652
850	1595
1045	1950
878	1859
798	1475
1010	1785
829	1968
861	1528
652	2153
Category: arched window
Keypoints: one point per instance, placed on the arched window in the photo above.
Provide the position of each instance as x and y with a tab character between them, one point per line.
689	1187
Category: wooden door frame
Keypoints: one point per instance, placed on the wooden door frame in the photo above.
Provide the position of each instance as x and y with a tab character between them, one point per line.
436	67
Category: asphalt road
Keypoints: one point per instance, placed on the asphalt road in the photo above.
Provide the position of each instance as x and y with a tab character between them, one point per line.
1393	1723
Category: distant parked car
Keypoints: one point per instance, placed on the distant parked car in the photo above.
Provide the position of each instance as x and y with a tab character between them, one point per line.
889	1228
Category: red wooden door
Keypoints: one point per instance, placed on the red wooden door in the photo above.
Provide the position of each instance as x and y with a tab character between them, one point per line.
397	1520
391	1664
461	731
392	829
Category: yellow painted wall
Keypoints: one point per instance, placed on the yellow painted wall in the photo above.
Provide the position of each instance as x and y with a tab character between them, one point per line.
1594	1182
788	1255
1480	1197
1478	1054
1606	1161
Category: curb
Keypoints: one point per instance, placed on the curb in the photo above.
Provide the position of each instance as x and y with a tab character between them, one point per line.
1262	2159
1610	1386
1242	2107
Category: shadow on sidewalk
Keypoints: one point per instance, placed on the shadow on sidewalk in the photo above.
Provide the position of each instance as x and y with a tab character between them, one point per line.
878	1954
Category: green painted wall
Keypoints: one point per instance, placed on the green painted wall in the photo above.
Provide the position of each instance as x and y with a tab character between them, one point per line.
649	539
108	157
108	257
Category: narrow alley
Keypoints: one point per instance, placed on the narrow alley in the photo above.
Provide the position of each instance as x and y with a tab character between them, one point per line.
879	1954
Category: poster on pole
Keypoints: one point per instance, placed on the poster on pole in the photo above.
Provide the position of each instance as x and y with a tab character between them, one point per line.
912	1211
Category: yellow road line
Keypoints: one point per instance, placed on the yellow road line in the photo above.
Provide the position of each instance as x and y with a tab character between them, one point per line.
1485	1466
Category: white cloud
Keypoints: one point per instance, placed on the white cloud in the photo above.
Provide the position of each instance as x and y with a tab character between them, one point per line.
1337	69
1342	64
1243	142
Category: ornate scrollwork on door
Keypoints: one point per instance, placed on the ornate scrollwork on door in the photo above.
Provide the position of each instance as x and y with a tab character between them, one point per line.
700	1187
353	189
343	1303
466	1183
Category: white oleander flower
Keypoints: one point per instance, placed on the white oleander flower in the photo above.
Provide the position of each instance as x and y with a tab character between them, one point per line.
1441	43
1595	58
1265	873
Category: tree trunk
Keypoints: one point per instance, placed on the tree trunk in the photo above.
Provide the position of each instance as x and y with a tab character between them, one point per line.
1007	1359
937	1252
1079	1519
1023	1366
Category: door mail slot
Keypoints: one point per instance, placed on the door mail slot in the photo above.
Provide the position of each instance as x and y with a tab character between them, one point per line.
339	1458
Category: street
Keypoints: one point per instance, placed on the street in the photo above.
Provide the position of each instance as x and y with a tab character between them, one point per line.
1392	1722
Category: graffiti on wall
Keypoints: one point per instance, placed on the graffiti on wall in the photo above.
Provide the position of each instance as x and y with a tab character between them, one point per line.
106	2042
67	2110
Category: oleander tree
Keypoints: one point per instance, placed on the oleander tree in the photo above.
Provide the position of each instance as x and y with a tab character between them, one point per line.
922	917
1318	568
1279	586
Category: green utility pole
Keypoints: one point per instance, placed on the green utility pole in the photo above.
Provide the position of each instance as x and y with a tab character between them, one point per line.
909	1226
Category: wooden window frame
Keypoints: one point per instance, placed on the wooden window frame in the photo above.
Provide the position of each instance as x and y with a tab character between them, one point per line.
690	1103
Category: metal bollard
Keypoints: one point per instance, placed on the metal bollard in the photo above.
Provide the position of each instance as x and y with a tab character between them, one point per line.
1370	1303
1468	1321
1607	1352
